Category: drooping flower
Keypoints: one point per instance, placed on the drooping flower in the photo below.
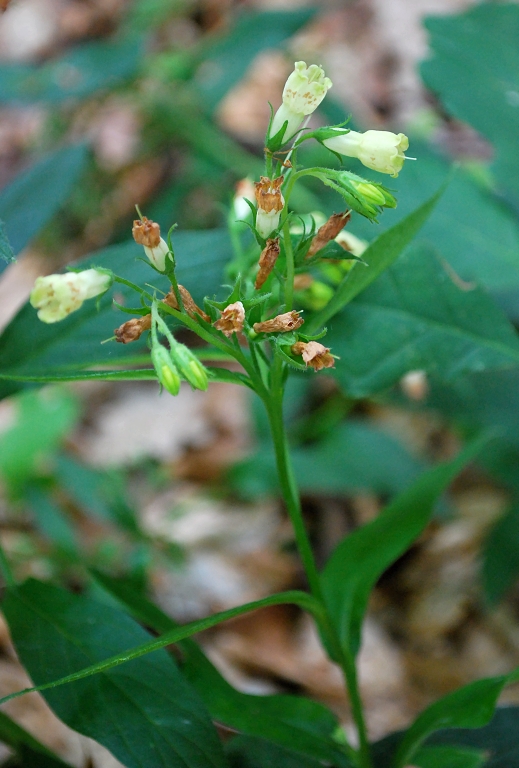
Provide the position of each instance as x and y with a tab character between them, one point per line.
304	90
167	373
232	319
147	233
56	296
315	355
270	203
381	151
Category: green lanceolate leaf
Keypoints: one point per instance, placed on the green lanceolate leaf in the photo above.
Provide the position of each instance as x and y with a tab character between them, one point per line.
380	254
34	196
293	722
474	71
363	556
418	316
499	740
469	707
306	601
32	348
251	752
144	713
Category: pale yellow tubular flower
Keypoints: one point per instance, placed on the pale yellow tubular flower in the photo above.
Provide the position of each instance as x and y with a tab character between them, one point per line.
381	151
56	296
304	90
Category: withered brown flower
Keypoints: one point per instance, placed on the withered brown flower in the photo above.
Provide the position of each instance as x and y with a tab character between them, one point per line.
232	319
146	232
132	329
190	306
329	231
267	261
268	194
315	355
289	321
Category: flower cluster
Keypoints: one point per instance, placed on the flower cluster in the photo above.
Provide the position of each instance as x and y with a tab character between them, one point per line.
294	258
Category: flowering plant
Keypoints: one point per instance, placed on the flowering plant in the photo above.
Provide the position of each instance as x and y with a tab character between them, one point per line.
290	276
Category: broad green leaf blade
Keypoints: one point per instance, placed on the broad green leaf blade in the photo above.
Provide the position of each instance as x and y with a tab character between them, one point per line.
417	317
354	457
290	721
449	757
226	61
501	556
6	251
303	599
144	713
474	71
363	556
21	741
469	707
30	201
41	422
380	254
30	347
87	68
52	522
499	739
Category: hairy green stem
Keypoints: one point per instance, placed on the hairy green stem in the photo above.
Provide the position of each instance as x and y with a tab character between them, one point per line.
274	406
289	253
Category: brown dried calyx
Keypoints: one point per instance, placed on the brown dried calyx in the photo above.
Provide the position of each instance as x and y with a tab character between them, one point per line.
191	308
267	260
146	232
289	321
329	231
232	319
132	329
314	354
268	194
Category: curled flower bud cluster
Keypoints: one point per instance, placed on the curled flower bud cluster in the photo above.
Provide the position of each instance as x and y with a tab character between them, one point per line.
381	151
315	355
56	296
303	92
270	203
147	233
232	319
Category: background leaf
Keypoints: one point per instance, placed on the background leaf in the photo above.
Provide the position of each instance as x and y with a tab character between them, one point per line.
415	317
86	69
6	251
144	711
353	457
501	557
34	196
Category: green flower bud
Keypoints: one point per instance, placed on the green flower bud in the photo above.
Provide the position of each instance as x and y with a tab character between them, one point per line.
167	373
190	366
370	192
